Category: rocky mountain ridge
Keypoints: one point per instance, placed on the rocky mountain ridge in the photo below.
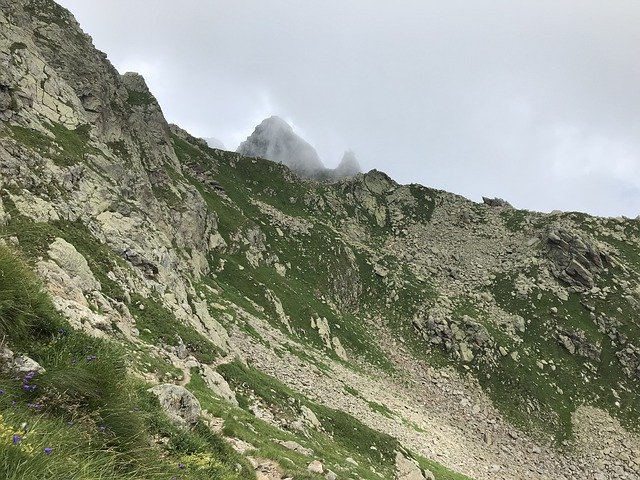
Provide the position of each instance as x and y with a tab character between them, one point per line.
349	329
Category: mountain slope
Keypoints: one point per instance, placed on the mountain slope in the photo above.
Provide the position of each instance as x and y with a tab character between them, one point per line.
366	322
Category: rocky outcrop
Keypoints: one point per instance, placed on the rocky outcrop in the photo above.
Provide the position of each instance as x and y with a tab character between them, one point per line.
576	342
462	337
574	259
275	140
496	202
407	469
218	385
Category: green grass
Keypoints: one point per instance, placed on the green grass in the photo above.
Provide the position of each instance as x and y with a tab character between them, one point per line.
533	400
347	433
157	325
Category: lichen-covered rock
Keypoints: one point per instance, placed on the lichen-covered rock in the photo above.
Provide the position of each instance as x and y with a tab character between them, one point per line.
180	405
496	202
72	262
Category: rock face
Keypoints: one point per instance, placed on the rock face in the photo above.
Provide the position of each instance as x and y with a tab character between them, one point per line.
218	385
180	405
275	140
74	264
462	336
575	259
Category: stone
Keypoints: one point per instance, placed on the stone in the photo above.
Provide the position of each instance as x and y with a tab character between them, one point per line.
71	261
574	258
296	447
18	365
309	417
218	385
407	469
316	467
465	353
23	364
180	405
330	475
380	271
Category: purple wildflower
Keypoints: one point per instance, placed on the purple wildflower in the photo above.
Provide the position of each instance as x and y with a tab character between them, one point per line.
181	466
2	392
103	428
90	358
48	450
17	439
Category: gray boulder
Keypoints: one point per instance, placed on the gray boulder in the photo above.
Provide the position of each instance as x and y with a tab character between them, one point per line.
180	405
18	365
407	469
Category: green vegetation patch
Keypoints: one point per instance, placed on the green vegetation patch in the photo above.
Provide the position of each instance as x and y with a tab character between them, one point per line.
158	325
140	99
66	148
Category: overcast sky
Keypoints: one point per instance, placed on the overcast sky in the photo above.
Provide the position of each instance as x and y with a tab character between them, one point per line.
535	101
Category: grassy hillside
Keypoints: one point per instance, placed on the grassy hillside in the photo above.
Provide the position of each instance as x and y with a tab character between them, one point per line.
86	416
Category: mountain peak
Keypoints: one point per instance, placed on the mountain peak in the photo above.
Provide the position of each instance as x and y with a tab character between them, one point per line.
348	166
275	123
274	139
